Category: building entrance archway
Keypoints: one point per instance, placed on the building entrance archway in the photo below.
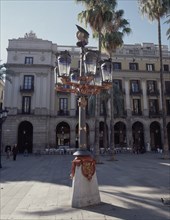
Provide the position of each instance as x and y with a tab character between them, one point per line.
25	137
155	134
120	134
62	134
138	137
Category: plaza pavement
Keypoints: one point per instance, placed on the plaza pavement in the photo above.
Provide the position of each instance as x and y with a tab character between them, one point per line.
39	187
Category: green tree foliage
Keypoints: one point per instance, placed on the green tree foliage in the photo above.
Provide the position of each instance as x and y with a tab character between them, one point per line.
168	22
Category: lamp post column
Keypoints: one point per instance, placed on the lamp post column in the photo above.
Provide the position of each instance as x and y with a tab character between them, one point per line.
82	103
82	123
85	190
85	82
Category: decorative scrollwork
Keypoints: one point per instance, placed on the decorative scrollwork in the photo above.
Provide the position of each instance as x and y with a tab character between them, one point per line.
82	86
88	166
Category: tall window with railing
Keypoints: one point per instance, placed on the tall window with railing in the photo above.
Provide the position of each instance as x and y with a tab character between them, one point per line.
150	67
167	88
28	82
133	66
135	86
118	83
151	87
165	68
136	107
63	106
168	106
117	66
26	104
153	106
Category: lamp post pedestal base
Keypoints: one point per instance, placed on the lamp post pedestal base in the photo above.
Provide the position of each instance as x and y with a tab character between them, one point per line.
85	190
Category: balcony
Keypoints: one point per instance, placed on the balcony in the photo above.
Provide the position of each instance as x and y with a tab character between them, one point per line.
157	114
63	113
24	89
136	92
153	93
22	112
137	113
121	115
87	113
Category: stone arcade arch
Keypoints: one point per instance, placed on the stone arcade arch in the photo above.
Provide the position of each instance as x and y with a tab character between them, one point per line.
138	137
25	137
120	134
62	134
155	136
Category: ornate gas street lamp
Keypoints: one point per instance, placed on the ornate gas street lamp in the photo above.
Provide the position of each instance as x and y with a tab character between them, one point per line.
89	80
3	116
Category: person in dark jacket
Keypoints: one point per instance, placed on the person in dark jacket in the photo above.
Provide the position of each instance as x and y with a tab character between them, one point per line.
15	151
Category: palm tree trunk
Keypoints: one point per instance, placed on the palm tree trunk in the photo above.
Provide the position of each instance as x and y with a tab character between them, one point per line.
164	138
96	144
112	126
97	115
105	128
112	118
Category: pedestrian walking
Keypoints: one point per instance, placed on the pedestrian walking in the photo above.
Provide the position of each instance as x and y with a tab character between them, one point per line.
15	151
8	151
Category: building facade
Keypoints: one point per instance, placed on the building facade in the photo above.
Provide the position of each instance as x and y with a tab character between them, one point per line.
39	116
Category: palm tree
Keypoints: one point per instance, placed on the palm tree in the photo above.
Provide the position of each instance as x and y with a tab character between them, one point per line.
154	10
104	98
116	99
168	22
97	14
114	33
112	39
109	27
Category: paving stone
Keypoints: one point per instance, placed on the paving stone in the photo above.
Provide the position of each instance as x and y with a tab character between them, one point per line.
130	188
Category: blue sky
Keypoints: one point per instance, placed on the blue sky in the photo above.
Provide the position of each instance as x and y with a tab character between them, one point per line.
55	20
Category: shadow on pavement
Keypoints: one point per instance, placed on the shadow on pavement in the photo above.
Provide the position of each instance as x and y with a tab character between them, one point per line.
102	209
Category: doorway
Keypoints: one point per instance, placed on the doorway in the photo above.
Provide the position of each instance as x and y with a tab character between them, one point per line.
63	134
155	136
25	137
138	137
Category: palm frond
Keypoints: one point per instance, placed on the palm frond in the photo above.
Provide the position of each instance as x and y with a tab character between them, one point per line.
154	9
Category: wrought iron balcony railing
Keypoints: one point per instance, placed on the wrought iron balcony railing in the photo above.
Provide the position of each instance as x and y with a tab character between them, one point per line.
27	89
136	92
157	114
63	112
153	93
